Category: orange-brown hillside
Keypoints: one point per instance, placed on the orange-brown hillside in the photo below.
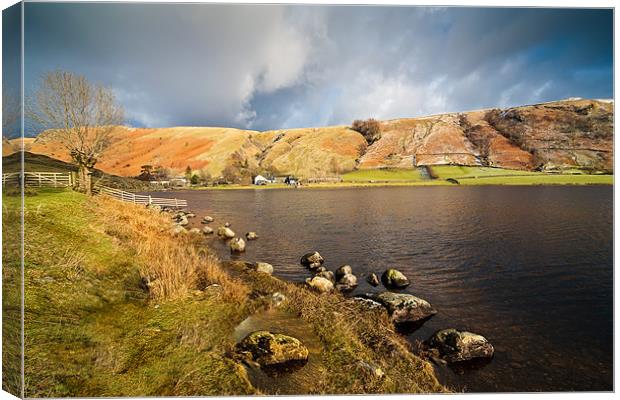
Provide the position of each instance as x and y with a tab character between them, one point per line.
563	134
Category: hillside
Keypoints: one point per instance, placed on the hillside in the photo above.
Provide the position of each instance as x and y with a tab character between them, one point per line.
567	134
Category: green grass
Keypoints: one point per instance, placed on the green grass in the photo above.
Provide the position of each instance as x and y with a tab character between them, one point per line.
387	174
459	172
92	329
499	176
542	179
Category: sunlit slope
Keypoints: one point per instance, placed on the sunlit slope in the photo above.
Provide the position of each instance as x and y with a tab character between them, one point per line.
567	134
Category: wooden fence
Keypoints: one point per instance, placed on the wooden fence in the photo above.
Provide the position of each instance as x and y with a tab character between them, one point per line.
38	179
140	199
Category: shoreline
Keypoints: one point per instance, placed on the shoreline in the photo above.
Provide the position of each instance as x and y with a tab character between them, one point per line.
555	180
181	314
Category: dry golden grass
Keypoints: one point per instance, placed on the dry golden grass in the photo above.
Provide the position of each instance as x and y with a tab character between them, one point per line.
170	266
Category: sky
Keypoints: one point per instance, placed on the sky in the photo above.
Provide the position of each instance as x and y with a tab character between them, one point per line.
275	66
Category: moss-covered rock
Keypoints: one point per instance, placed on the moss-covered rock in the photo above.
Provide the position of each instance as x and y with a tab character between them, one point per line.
394	279
272	349
404	308
225	232
455	346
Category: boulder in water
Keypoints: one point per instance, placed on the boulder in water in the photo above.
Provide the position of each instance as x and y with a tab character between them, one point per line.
207	230
194	231
225	232
455	346
394	279
272	349
237	245
343	270
312	260
251	236
227	224
346	282
372	279
404	308
207	219
320	284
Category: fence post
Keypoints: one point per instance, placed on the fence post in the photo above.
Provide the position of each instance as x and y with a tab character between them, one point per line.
150	200
176	203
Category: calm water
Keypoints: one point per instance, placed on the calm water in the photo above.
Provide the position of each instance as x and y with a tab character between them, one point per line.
530	268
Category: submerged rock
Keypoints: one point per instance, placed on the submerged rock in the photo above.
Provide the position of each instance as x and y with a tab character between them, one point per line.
394	279
312	260
272	349
251	236
456	346
372	279
225	232
227	224
404	308
320	284
207	230
206	219
237	245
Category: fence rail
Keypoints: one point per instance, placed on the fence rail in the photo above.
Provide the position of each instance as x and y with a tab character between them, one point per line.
139	198
38	179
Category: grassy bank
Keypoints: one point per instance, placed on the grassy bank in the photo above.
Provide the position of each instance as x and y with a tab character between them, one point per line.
117	306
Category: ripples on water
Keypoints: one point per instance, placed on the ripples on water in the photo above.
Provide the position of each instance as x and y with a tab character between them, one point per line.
530	268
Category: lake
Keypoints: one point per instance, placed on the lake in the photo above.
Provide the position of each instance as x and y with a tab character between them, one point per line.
530	268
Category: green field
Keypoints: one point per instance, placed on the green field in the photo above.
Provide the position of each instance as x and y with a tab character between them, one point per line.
471	176
460	172
387	174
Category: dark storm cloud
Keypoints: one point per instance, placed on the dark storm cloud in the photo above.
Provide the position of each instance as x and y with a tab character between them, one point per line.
269	67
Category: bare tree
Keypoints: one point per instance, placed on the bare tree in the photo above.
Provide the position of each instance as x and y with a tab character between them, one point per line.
79	115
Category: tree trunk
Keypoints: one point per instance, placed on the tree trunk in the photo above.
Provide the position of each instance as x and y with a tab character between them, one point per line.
85	184
88	181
